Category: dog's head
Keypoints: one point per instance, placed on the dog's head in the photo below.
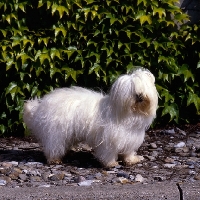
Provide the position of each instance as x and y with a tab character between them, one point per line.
135	92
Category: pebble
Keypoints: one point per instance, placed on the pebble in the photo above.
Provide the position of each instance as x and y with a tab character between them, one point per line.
191	167
170	131
122	180
179	149
169	160
197	177
191	172
181	131
182	154
123	174
87	182
151	158
2	182
180	145
98	175
131	177
139	178
155	153
159	178
153	145
169	165
44	186
23	177
57	177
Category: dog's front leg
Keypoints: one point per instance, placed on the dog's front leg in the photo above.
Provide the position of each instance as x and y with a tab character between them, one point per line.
107	156
132	158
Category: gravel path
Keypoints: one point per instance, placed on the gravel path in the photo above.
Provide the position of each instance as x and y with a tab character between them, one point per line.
171	155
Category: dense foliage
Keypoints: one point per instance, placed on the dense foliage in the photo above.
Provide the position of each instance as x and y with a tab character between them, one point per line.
47	44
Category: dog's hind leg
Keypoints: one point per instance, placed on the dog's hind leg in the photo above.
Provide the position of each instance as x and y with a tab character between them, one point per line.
54	152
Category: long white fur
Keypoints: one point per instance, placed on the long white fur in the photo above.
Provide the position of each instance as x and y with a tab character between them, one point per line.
111	124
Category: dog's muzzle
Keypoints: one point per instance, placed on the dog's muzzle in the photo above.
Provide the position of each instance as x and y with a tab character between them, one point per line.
139	98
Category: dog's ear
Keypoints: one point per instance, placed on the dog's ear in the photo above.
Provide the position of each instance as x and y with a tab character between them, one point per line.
121	94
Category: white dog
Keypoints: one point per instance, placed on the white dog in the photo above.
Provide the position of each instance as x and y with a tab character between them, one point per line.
112	124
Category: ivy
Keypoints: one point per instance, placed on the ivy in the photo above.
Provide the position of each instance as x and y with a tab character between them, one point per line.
47	44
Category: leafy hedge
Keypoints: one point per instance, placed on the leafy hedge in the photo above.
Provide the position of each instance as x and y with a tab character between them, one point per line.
47	44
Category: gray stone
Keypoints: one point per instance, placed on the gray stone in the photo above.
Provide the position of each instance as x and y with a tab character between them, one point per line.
191	166
123	174
181	131
79	179
131	177
153	145
169	165
151	158
98	175
169	160
87	182
180	145
23	177
139	178
45	176
170	131
193	143
44	186
155	153
192	172
159	178
57	177
35	179
3	182
184	154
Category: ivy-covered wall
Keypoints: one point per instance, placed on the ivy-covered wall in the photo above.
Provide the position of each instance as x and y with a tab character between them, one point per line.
48	44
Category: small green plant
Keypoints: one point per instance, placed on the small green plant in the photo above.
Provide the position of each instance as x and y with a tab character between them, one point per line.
48	44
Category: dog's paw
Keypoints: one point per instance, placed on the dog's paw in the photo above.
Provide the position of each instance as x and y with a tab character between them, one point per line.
111	164
54	162
131	160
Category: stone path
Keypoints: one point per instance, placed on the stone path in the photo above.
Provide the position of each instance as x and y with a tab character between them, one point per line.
171	155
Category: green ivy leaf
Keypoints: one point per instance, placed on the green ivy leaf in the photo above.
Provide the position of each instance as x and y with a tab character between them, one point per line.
55	52
60	29
194	99
172	110
180	17
24	57
198	65
161	12
3	32
145	18
142	1
61	10
2	128
183	70
11	88
22	6
34	91
95	68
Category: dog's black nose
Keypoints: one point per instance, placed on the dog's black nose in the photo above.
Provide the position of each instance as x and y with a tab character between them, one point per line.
139	98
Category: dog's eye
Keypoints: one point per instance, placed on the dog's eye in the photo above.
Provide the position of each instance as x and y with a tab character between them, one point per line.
139	98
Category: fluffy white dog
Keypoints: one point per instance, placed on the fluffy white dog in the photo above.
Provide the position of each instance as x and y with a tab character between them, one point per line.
112	124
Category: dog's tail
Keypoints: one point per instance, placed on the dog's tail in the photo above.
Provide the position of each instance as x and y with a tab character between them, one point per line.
30	107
